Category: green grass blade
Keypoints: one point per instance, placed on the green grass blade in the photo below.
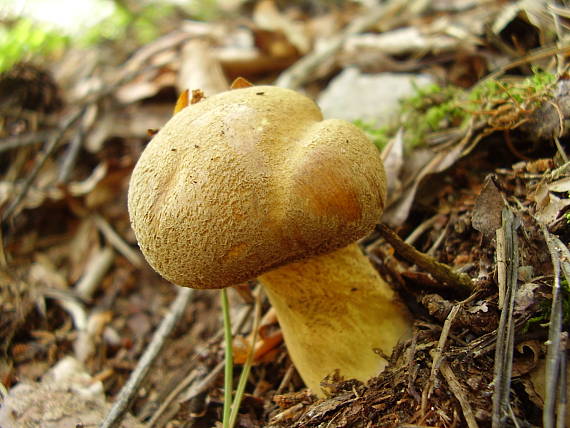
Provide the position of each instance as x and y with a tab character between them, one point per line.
229	367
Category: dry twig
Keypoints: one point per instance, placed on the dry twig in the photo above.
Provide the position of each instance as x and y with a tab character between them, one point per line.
191	383
129	390
555	357
117	241
51	145
457	390
440	271
506	330
296	75
437	357
95	271
17	141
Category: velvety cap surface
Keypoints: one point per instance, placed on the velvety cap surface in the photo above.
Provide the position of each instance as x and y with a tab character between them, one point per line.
249	180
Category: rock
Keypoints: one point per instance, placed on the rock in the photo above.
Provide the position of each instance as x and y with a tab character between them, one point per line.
372	98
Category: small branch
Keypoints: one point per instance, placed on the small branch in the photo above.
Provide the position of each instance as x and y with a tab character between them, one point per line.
95	271
457	390
189	384
562	387
296	75
437	356
15	142
506	331
440	271
554	378
129	390
117	241
533	56
50	149
418	231
72	155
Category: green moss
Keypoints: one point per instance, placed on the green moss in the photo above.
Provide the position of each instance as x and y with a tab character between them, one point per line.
379	135
497	104
431	109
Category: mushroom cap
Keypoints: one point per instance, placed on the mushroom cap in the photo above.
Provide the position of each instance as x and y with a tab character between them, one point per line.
249	180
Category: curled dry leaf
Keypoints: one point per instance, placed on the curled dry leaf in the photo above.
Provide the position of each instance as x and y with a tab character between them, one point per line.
269	337
548	205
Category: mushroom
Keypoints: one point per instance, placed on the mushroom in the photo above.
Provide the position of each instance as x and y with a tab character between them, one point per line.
253	182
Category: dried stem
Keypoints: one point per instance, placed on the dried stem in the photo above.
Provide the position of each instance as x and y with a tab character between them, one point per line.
506	330
129	390
440	271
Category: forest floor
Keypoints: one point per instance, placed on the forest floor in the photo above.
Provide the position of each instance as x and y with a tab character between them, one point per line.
474	237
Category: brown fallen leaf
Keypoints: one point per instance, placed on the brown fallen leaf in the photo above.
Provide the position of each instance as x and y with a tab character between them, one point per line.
487	211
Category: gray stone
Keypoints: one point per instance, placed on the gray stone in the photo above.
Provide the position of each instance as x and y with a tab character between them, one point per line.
373	98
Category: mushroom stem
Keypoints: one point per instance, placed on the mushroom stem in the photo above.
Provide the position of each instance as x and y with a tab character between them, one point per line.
336	313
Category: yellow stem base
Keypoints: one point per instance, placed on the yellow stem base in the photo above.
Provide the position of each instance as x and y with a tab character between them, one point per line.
336	313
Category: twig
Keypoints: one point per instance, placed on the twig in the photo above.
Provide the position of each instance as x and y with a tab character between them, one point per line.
50	149
533	56
560	36
94	273
204	383
418	231
72	154
296	75
70	303
437	356
431	251
412	366
560	149
286	379
562	388
135	65
288	413
194	391
501	253
189	379
440	271
513	416
506	330
164	404
553	377
129	390
23	140
117	241
457	390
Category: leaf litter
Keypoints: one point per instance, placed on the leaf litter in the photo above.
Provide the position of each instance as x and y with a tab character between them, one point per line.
486	200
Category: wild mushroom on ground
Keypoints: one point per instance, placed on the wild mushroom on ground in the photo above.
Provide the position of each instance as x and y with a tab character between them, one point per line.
253	182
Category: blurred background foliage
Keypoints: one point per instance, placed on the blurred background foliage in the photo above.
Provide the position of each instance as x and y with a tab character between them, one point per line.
42	29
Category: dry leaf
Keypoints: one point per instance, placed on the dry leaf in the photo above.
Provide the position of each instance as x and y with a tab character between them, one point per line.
487	211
